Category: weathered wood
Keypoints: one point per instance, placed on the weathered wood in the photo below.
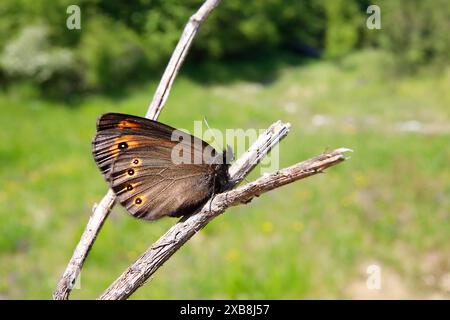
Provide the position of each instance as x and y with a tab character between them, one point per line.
136	275
178	56
155	256
101	212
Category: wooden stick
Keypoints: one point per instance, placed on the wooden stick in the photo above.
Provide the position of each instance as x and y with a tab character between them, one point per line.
149	262
178	56
101	212
73	269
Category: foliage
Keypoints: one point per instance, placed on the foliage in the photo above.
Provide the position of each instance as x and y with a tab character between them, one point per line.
121	42
31	56
343	24
111	53
416	31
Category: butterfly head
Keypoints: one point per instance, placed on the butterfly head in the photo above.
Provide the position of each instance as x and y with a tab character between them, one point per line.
222	176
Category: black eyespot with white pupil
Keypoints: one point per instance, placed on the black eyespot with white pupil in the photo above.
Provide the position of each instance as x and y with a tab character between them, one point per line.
129	187
130	172
123	145
138	201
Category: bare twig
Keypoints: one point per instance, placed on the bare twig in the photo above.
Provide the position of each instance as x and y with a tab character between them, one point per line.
101	212
147	264
73	269
178	56
136	275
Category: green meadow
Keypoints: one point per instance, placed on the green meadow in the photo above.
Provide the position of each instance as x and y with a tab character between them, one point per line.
389	205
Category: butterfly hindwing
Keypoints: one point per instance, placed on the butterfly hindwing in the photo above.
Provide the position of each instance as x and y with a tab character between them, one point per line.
151	189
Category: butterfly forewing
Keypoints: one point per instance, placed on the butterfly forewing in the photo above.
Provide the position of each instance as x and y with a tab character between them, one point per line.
135	156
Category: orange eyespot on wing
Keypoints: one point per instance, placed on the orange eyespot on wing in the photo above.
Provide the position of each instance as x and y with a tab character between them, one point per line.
125	142
135	162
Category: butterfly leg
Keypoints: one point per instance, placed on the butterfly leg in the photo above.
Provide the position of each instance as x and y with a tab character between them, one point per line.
111	170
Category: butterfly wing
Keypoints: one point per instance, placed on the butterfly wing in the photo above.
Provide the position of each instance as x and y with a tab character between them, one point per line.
135	157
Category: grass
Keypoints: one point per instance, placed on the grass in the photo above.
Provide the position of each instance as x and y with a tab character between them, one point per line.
388	205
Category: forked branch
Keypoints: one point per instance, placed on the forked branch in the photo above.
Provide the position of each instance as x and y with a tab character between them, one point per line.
155	256
102	210
136	275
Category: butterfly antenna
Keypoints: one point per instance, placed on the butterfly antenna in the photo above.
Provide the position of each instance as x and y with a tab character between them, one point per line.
209	128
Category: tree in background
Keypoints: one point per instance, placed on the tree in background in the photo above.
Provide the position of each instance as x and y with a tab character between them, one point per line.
121	40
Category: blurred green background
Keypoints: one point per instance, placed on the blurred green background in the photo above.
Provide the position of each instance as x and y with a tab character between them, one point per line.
383	93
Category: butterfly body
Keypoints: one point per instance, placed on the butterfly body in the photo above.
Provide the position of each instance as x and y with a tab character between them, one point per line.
156	170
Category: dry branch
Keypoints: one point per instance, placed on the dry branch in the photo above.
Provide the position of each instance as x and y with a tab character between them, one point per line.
101	211
73	269
148	263
136	275
178	56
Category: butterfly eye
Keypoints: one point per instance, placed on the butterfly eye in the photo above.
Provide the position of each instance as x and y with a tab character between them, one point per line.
130	172
129	187
123	145
136	161
138	201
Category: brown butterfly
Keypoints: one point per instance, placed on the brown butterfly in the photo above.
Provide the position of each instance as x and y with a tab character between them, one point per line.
156	170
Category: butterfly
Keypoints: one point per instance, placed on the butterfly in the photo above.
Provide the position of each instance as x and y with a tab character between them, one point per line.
156	170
